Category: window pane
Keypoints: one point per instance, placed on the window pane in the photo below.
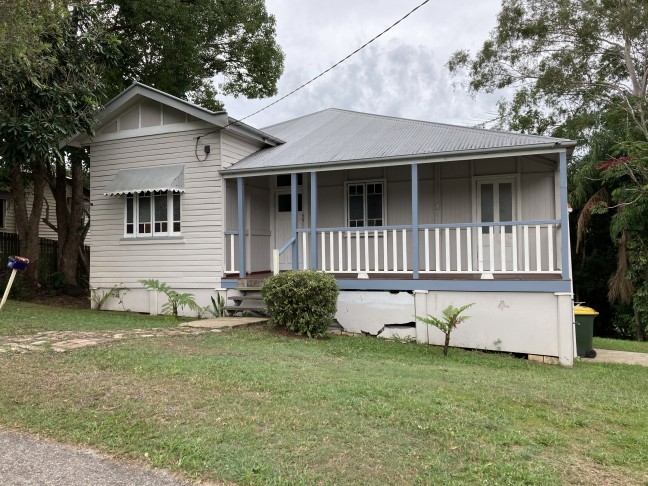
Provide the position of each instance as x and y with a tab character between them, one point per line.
487	206
144	213
129	209
130	226
356	209
284	203
374	206
506	202
160	212
487	212
283	180
176	213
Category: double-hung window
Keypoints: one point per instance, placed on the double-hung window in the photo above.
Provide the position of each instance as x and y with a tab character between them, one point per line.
365	204
152	214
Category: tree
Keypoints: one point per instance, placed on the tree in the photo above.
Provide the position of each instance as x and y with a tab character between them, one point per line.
179	46
567	61
51	55
577	69
623	192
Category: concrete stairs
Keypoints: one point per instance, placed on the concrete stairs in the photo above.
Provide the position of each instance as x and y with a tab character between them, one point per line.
249	301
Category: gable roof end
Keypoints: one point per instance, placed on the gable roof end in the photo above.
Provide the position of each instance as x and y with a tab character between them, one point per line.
219	119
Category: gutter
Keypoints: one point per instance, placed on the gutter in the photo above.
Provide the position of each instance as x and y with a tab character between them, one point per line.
556	147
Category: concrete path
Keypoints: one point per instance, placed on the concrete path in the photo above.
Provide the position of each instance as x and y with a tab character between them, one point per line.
224	322
624	357
26	461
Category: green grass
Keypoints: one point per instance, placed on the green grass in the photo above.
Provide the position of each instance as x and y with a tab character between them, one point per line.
250	406
18	318
621	345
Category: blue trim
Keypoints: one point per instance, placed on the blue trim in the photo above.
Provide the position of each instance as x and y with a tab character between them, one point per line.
458	285
285	247
541	286
293	220
240	195
564	218
229	283
415	223
314	251
439	226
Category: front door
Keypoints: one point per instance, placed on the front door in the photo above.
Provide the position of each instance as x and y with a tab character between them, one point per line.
283	226
496	203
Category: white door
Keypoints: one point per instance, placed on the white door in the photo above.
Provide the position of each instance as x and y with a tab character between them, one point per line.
496	202
283	226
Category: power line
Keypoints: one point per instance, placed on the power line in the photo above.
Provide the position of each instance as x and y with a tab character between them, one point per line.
327	70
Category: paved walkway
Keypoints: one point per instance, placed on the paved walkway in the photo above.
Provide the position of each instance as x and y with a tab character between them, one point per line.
26	461
61	341
624	357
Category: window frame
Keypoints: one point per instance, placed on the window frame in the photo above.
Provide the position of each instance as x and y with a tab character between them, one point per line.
172	198
479	181
364	183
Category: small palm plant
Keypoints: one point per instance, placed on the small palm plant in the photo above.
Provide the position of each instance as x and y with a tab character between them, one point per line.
451	319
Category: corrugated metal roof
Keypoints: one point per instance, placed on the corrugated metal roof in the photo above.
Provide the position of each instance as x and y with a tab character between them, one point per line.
336	135
163	178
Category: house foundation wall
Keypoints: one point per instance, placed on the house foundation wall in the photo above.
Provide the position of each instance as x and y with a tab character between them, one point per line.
516	322
151	302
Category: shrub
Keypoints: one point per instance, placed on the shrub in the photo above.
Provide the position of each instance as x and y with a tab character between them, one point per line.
302	301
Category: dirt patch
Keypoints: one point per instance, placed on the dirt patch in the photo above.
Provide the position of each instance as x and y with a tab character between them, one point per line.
62	300
585	471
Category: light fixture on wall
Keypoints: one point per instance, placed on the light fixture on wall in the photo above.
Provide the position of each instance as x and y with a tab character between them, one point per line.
207	149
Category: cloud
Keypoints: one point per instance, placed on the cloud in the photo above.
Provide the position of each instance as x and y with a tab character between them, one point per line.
402	74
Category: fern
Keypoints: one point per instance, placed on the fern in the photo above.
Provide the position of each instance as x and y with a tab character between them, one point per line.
451	319
175	300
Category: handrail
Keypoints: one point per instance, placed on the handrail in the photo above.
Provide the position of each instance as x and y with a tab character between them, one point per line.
287	245
440	226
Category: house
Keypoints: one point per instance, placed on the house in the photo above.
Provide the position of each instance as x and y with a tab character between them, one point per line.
7	216
410	216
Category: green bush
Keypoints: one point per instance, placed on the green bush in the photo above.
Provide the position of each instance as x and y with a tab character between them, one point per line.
303	301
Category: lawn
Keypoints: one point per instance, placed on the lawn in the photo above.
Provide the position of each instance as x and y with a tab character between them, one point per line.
621	345
19	317
254	406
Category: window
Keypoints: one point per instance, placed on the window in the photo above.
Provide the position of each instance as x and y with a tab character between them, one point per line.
152	214
285	180
365	203
496	203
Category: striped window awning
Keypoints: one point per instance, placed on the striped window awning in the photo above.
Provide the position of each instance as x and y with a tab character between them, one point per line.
162	178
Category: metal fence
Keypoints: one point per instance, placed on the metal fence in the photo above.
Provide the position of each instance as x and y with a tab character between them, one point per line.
48	262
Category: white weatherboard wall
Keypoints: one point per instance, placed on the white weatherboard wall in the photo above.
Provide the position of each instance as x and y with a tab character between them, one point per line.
516	322
190	263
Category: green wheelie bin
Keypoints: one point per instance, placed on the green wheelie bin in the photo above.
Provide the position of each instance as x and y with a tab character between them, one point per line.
585	331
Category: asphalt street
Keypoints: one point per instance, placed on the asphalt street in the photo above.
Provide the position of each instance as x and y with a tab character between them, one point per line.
26	460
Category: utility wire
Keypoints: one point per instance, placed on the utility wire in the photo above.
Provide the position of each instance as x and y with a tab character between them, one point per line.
323	72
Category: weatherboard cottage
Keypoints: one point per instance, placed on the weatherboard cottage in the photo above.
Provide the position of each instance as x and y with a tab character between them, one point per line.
410	216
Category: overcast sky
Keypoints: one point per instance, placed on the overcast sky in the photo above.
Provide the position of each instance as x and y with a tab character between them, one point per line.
401	74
